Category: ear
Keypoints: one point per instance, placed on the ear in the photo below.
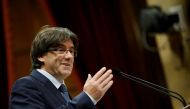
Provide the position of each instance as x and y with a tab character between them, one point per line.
41	59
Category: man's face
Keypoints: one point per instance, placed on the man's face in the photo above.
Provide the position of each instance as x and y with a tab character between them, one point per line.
59	62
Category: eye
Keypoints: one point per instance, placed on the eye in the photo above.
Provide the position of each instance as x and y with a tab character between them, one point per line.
71	51
60	49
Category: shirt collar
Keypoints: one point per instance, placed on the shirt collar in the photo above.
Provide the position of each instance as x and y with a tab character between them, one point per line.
55	82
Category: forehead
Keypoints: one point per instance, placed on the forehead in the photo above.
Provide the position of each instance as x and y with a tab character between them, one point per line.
67	43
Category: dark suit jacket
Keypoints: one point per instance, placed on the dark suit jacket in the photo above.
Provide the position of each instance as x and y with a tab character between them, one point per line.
37	92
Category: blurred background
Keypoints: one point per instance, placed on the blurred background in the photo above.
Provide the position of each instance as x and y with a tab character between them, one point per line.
148	39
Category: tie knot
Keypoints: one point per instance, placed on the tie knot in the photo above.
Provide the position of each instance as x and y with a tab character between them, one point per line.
63	88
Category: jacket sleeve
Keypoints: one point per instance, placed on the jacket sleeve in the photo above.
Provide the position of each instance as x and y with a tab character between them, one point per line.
82	101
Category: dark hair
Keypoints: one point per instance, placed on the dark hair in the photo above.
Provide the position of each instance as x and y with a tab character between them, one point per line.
49	37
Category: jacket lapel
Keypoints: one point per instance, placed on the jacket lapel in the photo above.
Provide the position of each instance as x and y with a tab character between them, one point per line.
50	92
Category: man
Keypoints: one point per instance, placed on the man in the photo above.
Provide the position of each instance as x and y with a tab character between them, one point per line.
52	53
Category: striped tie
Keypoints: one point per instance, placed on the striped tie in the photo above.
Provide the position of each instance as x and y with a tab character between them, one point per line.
64	92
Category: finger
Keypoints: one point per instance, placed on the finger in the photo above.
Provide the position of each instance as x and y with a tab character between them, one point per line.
104	76
106	81
99	73
108	86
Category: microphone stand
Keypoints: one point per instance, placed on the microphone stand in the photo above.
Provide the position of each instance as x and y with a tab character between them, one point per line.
156	87
186	107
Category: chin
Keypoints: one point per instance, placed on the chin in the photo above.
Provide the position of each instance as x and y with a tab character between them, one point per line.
66	73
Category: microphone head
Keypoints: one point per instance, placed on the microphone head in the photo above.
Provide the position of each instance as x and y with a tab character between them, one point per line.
117	72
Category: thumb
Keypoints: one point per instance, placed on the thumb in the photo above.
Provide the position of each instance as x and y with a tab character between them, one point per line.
87	82
89	77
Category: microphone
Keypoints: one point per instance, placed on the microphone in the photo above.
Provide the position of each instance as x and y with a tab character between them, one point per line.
153	86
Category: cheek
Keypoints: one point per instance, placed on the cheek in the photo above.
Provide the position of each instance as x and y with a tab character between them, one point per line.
54	61
59	59
72	60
